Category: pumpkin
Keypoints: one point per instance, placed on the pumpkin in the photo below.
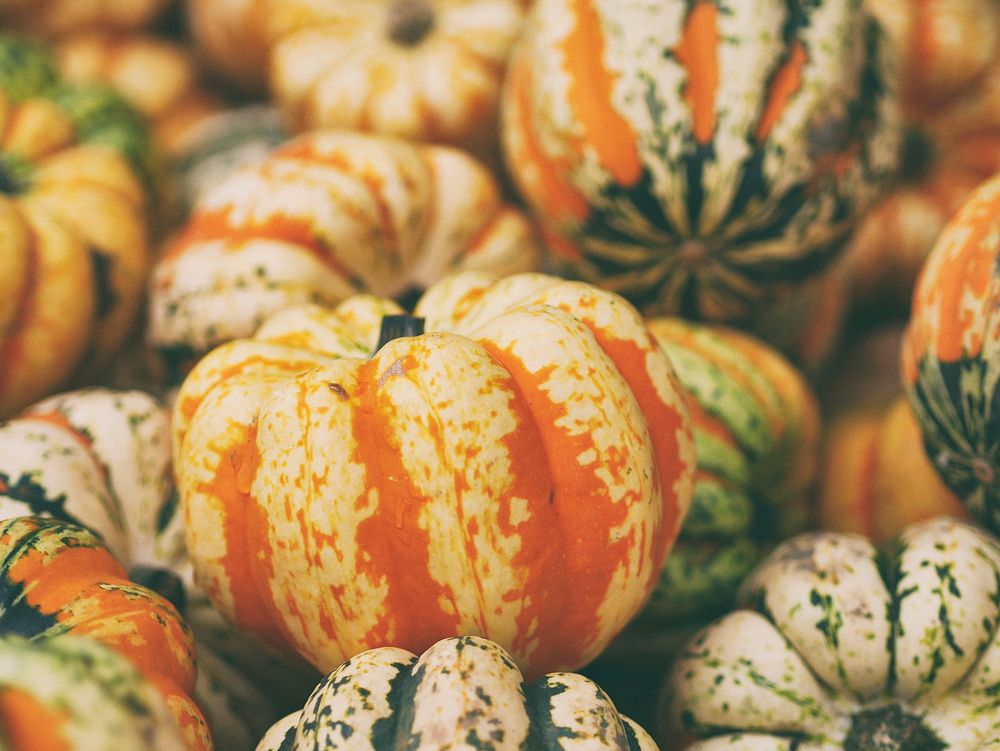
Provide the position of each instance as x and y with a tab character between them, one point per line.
696	159
57	17
157	76
420	69
950	93
74	249
838	647
951	354
462	692
230	37
59	578
876	478
101	459
519	472
756	428
327	215
73	693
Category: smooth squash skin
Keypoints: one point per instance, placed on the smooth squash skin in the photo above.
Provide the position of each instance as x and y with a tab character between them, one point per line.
842	647
951	354
699	158
519	471
462	692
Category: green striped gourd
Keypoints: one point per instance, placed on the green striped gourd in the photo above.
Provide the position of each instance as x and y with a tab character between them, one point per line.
69	693
840	646
699	156
756	427
462	692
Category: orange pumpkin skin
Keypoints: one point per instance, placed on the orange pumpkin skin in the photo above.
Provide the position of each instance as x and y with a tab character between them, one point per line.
518	472
230	37
950	60
876	478
69	582
52	18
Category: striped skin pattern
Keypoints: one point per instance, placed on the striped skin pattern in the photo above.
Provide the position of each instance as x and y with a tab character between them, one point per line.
876	478
429	70
69	693
519	472
52	18
950	94
699	156
102	459
73	227
951	354
327	215
57	578
756	429
840	647
462	693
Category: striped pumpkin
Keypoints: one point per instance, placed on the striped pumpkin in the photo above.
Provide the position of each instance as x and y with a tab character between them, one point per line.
950	93
839	647
519	471
462	692
422	69
756	429
58	578
876	478
699	158
101	459
951	354
327	215
74	250
69	693
52	18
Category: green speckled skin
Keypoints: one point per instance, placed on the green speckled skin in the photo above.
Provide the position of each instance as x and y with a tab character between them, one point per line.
839	645
462	693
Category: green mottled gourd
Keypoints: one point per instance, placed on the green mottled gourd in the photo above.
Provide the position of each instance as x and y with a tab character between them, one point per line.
697	156
462	692
841	647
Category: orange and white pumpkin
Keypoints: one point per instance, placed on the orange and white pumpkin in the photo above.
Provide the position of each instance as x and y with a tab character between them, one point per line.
518	472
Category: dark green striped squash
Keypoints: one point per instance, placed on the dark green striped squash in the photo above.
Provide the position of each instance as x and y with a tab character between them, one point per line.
951	354
462	692
699	156
757	428
840	646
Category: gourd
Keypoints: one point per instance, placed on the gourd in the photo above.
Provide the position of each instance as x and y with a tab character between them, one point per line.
839	646
326	215
51	18
461	692
73	693
231	39
951	354
75	178
950	97
697	159
58	578
518	471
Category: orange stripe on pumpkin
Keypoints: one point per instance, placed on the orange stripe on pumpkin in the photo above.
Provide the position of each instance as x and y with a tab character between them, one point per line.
590	93
784	85
30	725
698	53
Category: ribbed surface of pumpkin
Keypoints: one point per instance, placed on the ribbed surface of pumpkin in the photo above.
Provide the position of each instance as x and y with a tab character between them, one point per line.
520	471
699	157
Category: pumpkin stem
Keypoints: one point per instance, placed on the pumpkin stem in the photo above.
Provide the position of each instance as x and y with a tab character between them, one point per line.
394	327
410	21
162	581
13	175
890	728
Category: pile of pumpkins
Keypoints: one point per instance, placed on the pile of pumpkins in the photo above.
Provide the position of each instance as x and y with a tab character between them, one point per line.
385	374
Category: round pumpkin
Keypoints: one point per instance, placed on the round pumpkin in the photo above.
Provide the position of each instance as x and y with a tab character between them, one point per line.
74	252
327	215
102	459
420	69
57	17
519	471
231	39
59	578
73	693
839	646
950	95
876	478
697	159
951	354
462	692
